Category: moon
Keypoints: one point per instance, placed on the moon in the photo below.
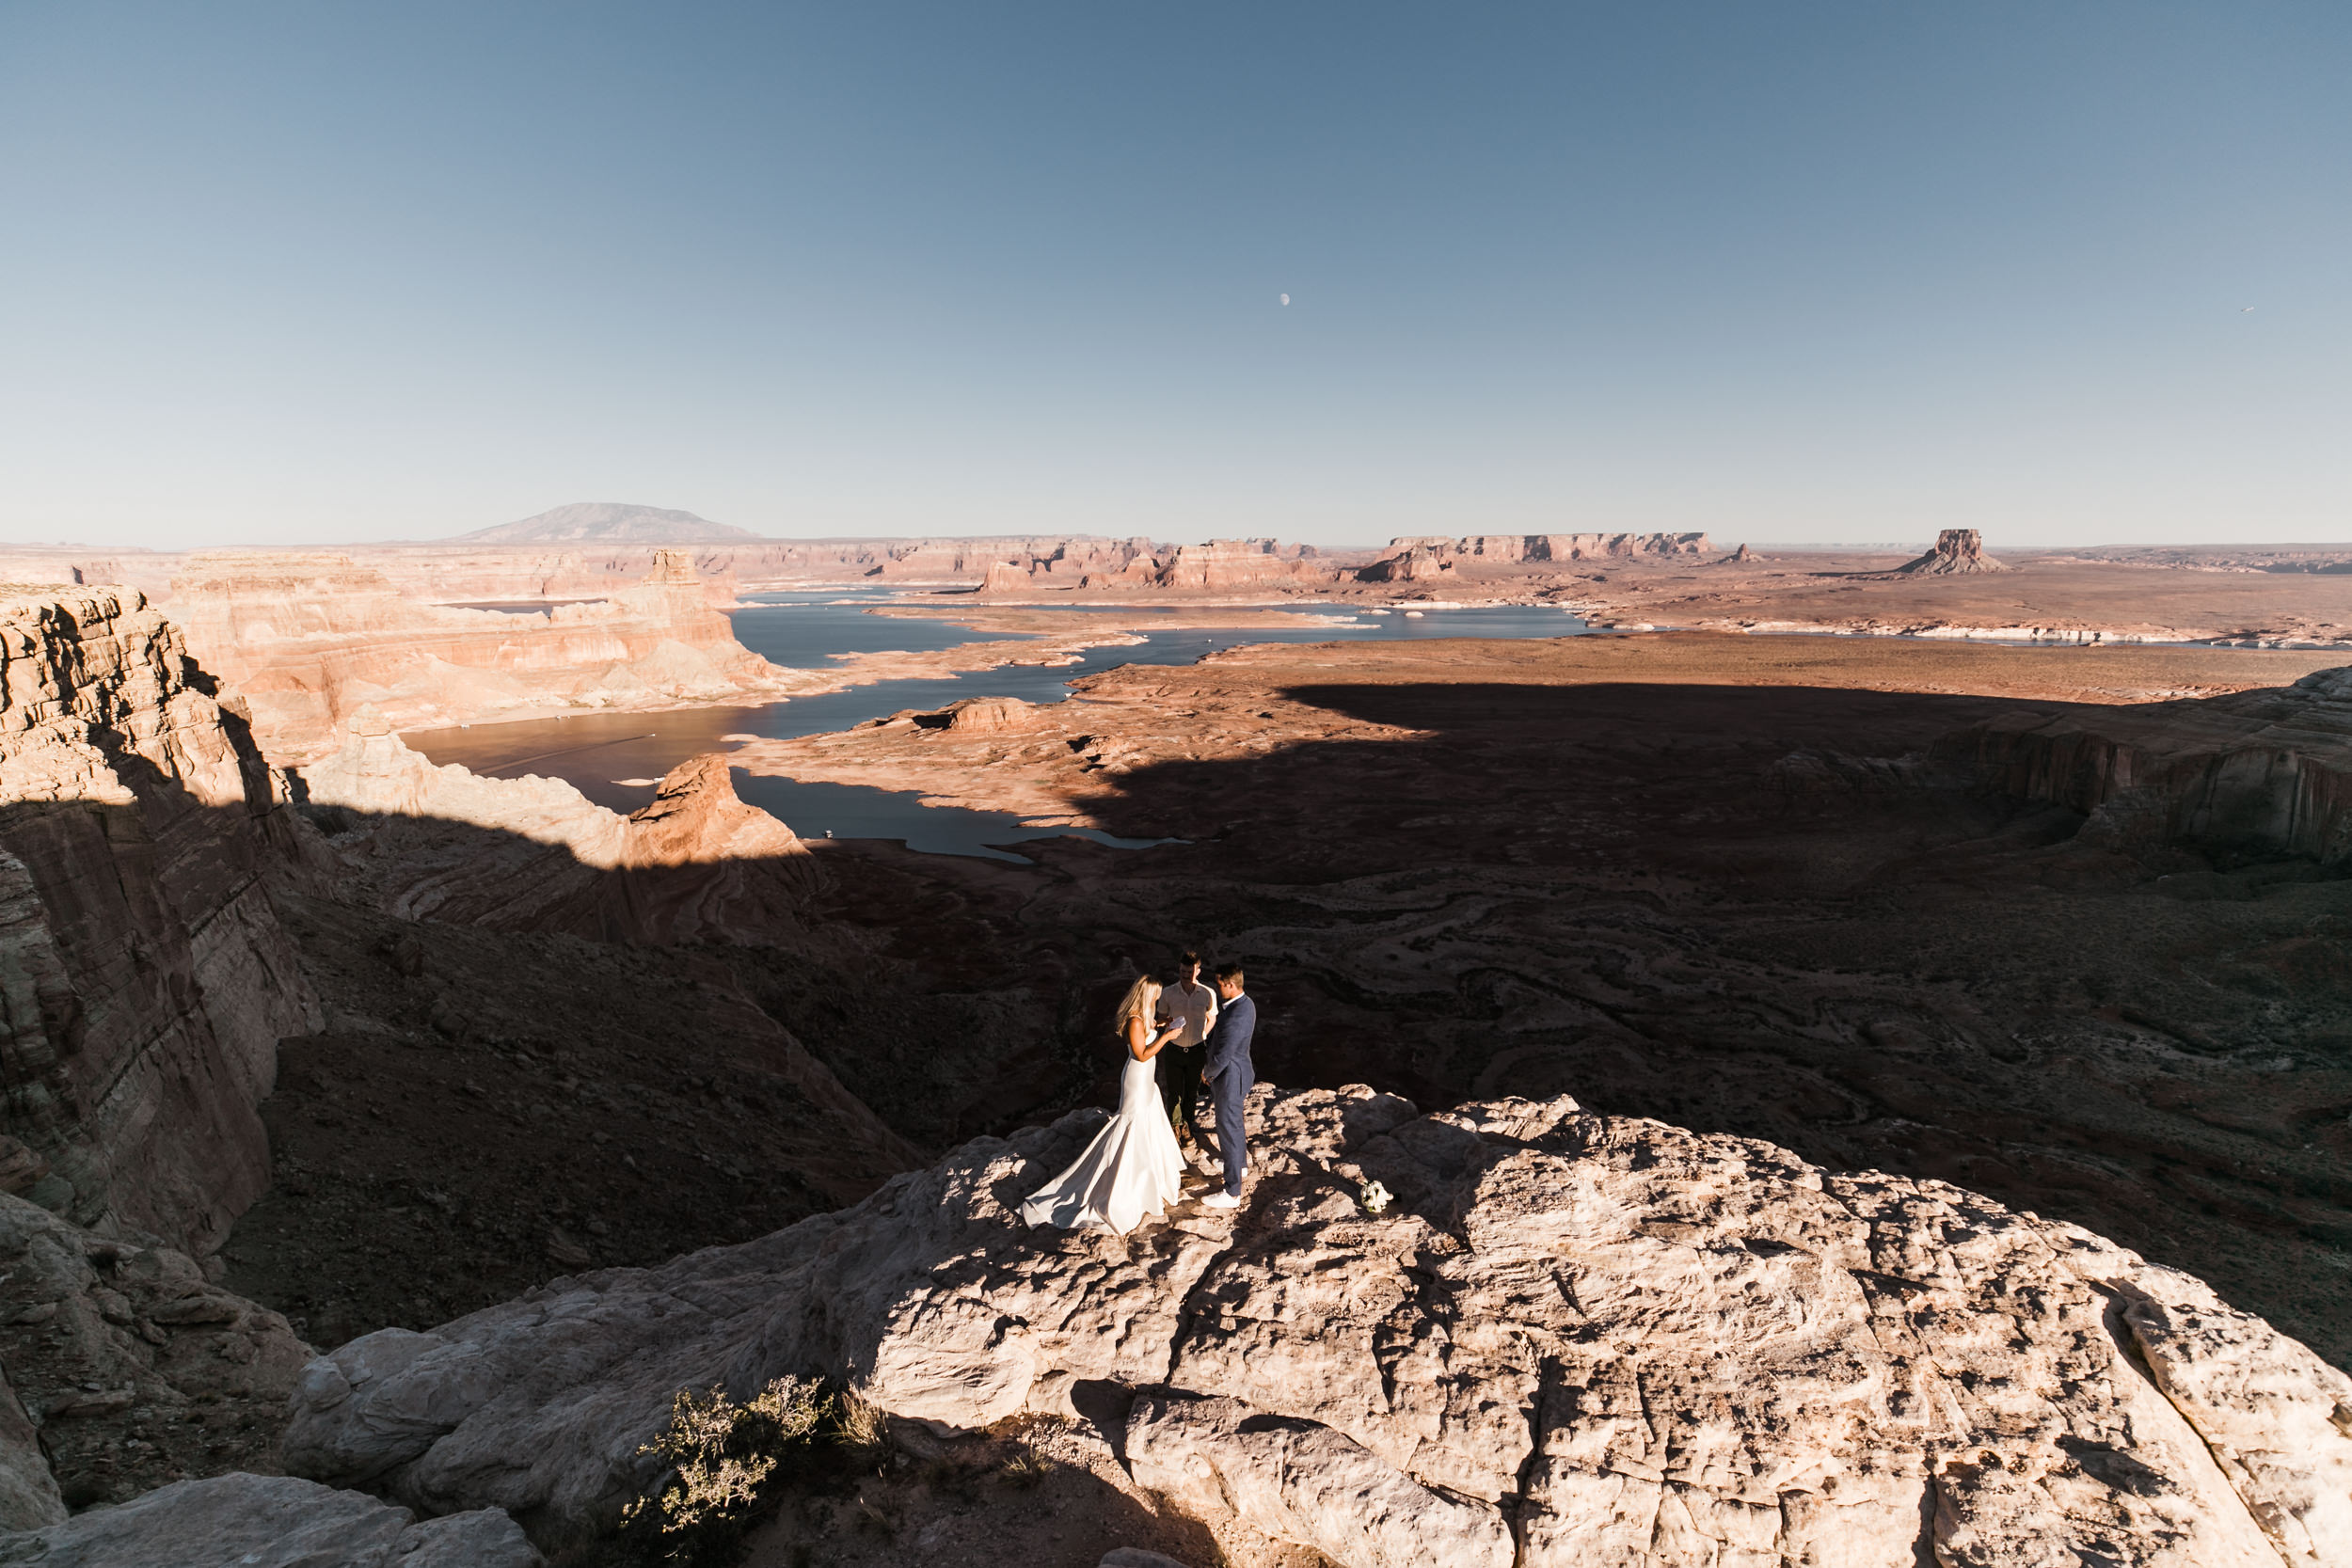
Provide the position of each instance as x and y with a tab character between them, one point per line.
1286	300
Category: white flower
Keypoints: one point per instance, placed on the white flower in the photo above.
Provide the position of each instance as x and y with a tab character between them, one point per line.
1376	1197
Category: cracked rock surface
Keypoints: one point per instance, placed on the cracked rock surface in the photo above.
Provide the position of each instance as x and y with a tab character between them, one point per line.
1573	1337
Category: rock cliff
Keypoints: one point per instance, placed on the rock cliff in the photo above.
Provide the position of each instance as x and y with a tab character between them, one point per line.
144	980
1218	566
308	640
2269	770
1569	1338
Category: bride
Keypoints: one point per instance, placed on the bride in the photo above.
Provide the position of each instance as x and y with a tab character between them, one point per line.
1133	1167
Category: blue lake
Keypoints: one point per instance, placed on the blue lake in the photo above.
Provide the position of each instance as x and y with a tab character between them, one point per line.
614	758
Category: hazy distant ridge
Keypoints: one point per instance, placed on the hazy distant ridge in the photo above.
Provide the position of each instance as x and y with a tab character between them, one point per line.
607	523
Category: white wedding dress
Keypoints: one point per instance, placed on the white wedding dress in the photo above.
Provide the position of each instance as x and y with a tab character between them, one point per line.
1131	1169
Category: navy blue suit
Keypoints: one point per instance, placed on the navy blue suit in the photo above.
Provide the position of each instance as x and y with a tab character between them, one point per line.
1230	1073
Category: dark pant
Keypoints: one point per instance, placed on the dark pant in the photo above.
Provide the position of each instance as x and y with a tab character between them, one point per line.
1180	1082
1226	1094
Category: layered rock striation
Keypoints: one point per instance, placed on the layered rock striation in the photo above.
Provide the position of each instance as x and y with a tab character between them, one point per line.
144	979
1569	1338
2266	770
1218	566
309	640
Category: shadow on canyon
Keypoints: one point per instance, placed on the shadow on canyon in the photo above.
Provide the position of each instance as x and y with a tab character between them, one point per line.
1770	911
1780	913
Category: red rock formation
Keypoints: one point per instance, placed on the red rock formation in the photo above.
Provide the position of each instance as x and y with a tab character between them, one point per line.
310	638
144	980
1227	565
1957	550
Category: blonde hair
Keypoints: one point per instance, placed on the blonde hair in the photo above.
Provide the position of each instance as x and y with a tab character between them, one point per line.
1140	999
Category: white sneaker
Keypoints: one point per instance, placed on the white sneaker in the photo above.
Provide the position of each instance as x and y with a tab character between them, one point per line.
1220	1200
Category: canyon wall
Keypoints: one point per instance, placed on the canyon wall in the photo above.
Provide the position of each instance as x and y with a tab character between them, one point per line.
1516	549
310	638
144	980
1218	566
2267	770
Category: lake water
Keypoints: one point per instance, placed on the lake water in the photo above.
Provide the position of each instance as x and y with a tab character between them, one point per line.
614	758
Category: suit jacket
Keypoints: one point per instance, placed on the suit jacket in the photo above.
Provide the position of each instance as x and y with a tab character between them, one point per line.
1229	1045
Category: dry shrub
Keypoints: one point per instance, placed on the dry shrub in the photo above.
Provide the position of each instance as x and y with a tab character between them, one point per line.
723	1455
858	1428
1027	1469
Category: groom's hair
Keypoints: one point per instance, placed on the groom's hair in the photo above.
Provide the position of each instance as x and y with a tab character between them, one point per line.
1228	972
1187	957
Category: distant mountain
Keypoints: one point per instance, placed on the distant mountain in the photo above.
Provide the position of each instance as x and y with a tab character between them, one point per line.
607	523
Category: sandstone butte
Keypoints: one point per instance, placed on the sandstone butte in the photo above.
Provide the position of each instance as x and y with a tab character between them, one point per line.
1570	1337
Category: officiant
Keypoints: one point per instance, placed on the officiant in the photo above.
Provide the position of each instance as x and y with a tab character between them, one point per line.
1189	998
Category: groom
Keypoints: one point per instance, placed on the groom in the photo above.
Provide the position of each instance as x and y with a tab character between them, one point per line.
1229	1074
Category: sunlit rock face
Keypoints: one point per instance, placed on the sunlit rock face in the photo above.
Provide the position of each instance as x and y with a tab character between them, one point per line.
1565	1338
308	638
144	980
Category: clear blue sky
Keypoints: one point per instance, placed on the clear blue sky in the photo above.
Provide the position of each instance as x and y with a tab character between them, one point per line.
1784	272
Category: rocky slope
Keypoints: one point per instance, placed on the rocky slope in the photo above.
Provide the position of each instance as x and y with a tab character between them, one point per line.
146	981
127	1370
1569	1338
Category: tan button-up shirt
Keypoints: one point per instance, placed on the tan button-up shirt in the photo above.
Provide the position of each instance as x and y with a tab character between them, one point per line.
1196	1004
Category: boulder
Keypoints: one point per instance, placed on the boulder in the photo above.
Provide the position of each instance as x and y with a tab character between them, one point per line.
1627	1342
247	1521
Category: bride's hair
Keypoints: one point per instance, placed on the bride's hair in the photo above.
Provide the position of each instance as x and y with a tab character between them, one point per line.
1140	999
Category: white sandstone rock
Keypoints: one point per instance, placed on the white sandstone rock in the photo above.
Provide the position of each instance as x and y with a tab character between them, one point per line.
245	1521
1295	1480
1626	1343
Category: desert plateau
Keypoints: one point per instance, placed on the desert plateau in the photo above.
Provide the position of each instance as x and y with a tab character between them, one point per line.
1845	1096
